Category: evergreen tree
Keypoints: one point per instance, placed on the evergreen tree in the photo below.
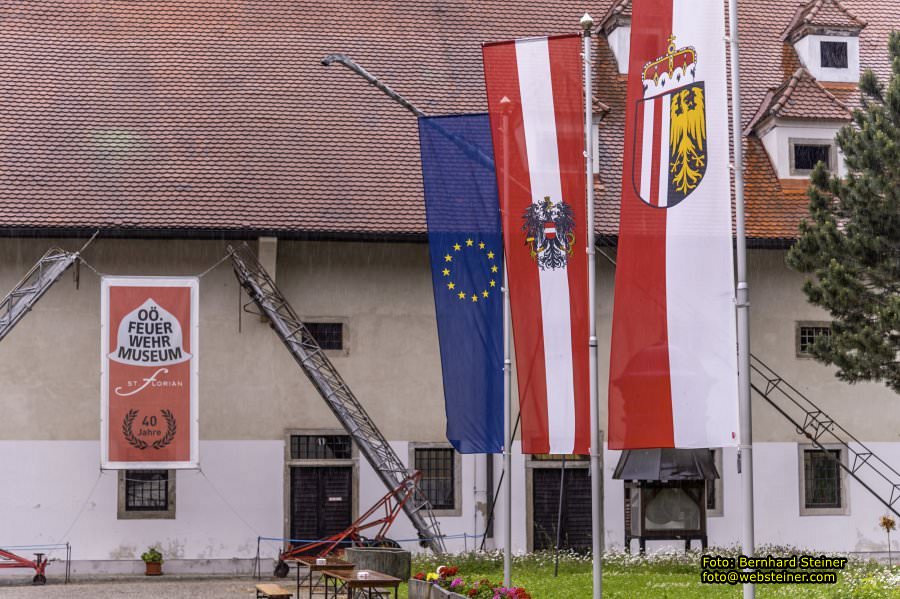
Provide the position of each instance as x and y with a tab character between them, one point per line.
851	244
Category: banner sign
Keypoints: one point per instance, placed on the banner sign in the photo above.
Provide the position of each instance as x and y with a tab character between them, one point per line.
467	273
149	366
535	101
673	361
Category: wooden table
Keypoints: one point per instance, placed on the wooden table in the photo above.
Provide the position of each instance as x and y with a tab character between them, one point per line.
350	580
331	563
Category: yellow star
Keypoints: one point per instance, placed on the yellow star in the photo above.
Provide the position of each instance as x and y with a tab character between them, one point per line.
446	272
494	269
448	258
461	295
474	298
451	285
457	247
469	243
481	245
493	283
484	293
490	255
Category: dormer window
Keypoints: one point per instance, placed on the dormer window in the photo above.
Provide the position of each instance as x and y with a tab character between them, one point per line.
833	55
826	37
797	123
616	25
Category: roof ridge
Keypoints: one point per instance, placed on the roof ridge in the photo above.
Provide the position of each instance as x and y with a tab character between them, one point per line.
819	4
778	97
806	16
617	8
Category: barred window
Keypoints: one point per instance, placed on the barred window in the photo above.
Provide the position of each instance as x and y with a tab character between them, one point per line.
438	476
321	447
807	335
807	155
834	55
329	335
146	490
822	478
557	457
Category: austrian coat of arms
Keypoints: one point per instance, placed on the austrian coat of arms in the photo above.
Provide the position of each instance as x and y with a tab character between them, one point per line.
549	233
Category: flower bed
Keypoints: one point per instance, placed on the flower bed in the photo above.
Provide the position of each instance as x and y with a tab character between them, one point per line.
445	583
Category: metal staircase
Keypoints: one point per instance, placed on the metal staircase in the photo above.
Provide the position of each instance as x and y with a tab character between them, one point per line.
875	475
33	286
328	382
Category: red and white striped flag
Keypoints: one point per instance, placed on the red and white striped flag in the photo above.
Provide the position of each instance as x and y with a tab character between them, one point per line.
673	366
535	91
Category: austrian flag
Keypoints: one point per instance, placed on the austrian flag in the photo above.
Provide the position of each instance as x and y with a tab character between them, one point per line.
673	362
535	91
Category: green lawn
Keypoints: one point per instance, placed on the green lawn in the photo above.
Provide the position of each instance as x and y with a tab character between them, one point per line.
664	576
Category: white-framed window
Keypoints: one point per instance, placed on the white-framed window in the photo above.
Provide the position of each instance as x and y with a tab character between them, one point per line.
441	468
805	154
806	333
823	482
715	489
146	495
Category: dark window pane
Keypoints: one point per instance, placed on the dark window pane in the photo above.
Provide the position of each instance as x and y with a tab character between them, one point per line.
329	335
321	447
437	482
808	336
822	478
834	54
711	486
806	156
146	490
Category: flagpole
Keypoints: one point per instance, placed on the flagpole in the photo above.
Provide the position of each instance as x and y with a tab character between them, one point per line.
742	296
507	379
587	23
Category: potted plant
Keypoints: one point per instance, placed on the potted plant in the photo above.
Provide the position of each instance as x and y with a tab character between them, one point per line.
153	560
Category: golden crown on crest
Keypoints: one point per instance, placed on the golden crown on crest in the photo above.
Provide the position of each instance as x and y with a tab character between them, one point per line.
672	68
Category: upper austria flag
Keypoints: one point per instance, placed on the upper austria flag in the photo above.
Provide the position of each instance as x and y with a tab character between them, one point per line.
467	273
673	362
535	100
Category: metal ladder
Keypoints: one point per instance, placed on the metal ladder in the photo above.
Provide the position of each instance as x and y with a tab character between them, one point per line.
33	286
874	474
331	386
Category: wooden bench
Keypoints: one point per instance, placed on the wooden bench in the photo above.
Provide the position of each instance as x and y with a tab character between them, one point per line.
273	591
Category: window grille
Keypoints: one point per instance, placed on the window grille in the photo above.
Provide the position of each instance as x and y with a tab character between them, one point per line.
438	476
807	335
807	156
557	457
321	447
329	335
822	478
834	55
146	490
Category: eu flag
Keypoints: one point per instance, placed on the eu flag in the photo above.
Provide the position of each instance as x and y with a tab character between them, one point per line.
466	252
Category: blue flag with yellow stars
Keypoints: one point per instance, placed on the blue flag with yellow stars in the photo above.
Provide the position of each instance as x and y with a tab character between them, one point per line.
466	252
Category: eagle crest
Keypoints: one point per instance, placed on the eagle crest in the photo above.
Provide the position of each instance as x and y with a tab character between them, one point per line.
549	233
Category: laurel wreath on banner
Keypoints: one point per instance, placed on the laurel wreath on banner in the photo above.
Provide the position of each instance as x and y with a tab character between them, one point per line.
127	432
170	430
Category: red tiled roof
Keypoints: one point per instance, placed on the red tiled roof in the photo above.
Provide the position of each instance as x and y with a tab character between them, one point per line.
801	97
214	115
829	14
